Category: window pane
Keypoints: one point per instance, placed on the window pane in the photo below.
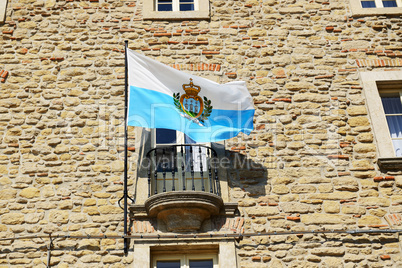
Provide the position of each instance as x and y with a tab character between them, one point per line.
168	264
201	264
368	4
165	5
389	3
392	105
164	136
395	126
398	147
165	159
186	7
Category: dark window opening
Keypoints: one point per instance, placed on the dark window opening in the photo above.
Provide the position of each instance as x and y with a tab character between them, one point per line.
368	4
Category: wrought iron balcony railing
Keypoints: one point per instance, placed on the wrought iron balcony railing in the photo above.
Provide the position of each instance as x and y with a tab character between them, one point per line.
182	167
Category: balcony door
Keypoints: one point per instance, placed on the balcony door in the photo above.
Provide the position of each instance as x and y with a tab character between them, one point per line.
177	165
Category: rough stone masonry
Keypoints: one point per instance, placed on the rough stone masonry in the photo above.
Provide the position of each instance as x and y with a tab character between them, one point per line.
311	160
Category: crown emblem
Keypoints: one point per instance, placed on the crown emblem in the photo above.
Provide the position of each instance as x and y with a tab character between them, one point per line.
191	89
192	106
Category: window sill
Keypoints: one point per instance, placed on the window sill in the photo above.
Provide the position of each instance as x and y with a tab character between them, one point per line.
357	10
377	11
392	163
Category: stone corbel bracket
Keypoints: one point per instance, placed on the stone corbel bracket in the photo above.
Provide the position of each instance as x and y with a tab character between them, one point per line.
183	211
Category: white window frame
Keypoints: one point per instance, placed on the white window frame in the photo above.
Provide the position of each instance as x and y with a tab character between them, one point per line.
3	8
201	11
358	10
185	259
376	111
393	91
226	253
176	6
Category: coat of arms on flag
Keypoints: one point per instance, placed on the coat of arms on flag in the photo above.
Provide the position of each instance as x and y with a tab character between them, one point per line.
192	106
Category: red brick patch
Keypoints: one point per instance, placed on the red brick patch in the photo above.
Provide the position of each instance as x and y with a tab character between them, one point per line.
207	52
256	258
338	156
163	34
282	99
231	75
380	63
259	127
324	76
394	219
56	59
386	178
197	67
344	144
3	75
238	148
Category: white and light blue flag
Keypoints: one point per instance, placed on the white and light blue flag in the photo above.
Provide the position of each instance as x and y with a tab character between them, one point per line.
163	97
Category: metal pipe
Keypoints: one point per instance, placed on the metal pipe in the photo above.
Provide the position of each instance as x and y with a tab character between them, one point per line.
208	235
125	193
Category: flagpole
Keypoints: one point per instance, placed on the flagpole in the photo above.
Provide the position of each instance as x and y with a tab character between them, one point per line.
125	193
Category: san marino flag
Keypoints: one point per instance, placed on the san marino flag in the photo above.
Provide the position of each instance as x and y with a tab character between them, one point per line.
163	97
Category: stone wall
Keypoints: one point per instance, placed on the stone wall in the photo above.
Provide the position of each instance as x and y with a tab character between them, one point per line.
310	164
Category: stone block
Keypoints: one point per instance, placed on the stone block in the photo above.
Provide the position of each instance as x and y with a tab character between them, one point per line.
313	97
111	259
297	86
358	121
295	207
374	201
364	148
101	168
109	209
357	210
59	216
328	251
318	219
356	110
30	192
257	32
12	218
346	184
369	220
262	211
331	206
7	194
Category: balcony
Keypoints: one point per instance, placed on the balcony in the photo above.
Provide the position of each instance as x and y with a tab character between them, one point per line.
183	186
